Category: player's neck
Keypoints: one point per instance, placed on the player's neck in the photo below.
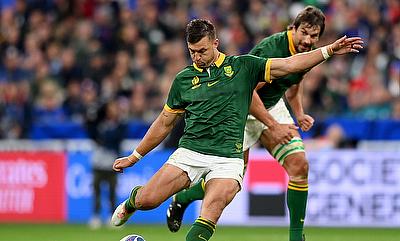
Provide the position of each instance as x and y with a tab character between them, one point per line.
216	56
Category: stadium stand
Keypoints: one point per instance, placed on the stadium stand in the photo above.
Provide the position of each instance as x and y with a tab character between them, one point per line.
62	60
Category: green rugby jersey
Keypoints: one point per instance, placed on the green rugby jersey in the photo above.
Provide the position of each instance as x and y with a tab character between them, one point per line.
216	103
279	45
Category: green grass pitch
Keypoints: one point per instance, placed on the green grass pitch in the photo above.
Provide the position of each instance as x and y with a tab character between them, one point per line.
70	232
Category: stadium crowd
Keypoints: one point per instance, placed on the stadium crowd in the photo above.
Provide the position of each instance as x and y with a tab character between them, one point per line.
62	60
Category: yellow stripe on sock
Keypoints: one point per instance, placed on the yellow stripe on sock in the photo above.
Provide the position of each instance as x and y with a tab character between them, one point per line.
302	189
298	185
206	222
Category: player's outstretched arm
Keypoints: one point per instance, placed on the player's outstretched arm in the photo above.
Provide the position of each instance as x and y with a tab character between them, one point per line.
300	62
157	132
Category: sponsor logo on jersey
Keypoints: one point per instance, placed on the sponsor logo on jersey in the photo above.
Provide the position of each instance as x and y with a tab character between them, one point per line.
212	83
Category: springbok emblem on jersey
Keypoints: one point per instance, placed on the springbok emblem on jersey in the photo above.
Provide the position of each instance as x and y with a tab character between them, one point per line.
239	147
195	82
228	71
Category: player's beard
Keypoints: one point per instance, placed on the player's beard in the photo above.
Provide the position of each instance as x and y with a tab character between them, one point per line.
204	63
201	64
301	48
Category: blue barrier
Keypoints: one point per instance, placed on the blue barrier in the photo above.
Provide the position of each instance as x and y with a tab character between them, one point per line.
80	194
79	187
356	129
367	129
63	130
75	130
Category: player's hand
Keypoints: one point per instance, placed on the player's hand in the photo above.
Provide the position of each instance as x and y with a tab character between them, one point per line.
346	45
124	162
282	133
305	122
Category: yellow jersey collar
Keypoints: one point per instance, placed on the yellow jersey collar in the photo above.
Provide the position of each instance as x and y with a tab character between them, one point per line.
217	63
220	60
292	49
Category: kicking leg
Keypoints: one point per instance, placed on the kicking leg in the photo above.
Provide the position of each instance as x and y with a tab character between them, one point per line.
164	183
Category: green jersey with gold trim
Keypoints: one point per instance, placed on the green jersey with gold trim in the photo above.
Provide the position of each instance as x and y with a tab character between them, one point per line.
279	45
216	102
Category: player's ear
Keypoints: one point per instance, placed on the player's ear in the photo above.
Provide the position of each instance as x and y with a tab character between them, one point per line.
216	43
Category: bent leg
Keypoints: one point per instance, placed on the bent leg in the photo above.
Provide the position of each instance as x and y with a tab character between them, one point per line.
196	192
219	193
167	181
185	197
163	184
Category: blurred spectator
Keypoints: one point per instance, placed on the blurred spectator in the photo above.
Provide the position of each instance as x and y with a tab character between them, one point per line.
257	18
69	69
394	65
368	97
132	50
48	104
333	138
15	114
73	104
107	130
396	109
394	78
11	69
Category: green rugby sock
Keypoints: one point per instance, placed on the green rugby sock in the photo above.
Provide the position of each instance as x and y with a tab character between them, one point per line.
191	194
201	230
130	204
297	202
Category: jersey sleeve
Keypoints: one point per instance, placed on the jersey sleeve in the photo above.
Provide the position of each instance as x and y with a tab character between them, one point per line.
174	102
267	74
259	68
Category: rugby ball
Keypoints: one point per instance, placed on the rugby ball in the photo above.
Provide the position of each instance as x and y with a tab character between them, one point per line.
133	237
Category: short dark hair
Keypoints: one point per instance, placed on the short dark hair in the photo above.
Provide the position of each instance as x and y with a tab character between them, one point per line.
198	29
312	16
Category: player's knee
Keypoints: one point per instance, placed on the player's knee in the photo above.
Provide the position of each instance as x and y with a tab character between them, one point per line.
218	202
298	169
303	168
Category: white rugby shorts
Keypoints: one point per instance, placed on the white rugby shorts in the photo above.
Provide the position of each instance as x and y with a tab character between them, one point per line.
254	127
198	165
